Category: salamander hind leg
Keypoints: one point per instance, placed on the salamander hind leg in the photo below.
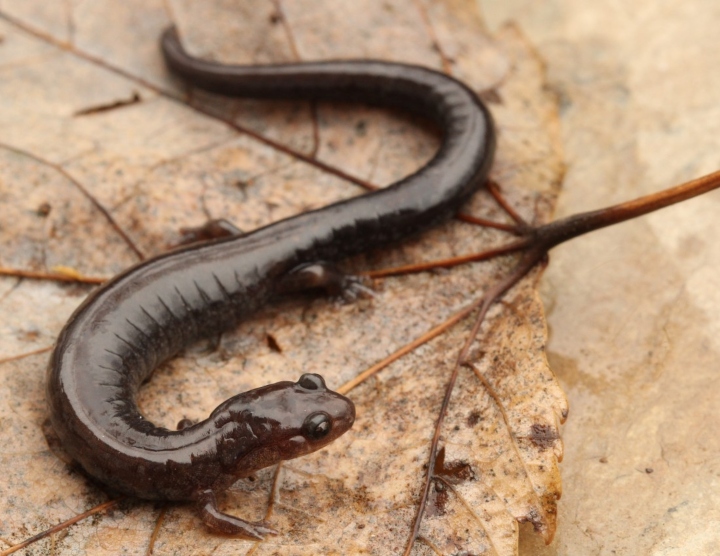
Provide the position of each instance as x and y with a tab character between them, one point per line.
323	276
220	522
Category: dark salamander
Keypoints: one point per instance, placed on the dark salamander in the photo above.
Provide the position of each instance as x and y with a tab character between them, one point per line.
147	314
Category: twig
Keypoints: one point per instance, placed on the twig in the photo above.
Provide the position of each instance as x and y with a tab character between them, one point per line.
52	276
60	526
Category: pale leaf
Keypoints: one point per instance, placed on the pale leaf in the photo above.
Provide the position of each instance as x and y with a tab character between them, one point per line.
102	113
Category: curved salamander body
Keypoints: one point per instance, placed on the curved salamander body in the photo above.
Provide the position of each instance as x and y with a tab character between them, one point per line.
147	314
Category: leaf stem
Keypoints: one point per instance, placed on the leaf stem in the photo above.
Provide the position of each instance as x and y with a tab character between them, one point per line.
540	239
548	236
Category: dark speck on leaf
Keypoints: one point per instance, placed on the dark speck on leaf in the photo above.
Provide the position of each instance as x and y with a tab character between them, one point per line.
474	418
44	209
543	436
491	96
273	343
453	472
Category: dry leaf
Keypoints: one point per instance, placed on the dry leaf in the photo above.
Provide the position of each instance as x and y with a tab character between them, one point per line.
157	164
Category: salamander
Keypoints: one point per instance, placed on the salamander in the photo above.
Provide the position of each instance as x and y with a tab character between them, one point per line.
148	313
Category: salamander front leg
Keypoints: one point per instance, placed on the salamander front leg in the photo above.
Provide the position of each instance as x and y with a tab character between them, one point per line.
325	276
220	522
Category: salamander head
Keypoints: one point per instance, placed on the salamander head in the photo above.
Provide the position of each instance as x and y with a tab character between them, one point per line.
288	420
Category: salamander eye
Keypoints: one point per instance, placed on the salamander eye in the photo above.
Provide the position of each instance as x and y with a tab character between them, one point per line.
317	426
311	381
